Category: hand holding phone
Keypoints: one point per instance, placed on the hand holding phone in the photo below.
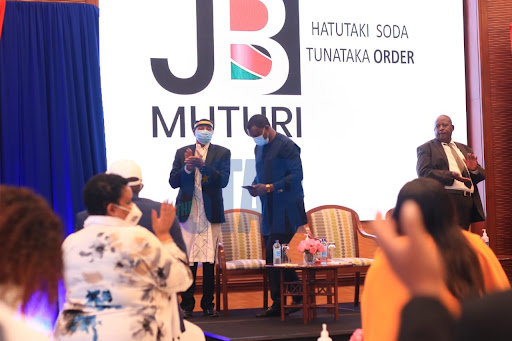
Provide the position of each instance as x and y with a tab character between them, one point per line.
250	189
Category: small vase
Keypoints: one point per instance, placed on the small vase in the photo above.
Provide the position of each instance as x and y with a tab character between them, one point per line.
309	258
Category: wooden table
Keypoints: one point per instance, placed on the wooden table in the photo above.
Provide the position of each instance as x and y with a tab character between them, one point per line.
310	287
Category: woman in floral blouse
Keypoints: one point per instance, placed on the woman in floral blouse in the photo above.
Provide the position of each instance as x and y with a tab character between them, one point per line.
121	280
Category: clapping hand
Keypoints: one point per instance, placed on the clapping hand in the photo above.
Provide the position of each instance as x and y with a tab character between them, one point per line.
192	161
162	225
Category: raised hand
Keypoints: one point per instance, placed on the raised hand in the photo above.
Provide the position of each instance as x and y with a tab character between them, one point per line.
162	225
471	162
414	257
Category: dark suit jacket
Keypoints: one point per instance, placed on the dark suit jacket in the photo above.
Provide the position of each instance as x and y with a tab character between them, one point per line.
433	163
215	175
279	163
487	318
145	205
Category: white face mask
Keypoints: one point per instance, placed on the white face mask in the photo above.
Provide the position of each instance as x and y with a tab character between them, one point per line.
134	214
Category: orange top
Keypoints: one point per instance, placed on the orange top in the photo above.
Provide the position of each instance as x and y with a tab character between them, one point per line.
384	295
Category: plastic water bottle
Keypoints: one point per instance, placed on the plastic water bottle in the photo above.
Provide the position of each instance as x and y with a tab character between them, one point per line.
324	334
485	237
331	251
276	252
285	258
323	254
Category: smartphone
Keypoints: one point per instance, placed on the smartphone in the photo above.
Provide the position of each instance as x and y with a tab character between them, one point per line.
248	187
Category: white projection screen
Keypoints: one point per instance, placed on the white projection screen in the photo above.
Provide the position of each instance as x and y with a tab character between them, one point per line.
356	84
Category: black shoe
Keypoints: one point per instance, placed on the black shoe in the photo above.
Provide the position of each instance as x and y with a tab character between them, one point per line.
187	314
270	312
210	312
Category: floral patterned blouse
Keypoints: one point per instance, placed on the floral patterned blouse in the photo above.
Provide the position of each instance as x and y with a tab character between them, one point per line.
121	284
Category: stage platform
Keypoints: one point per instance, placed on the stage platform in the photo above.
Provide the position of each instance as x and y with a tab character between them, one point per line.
242	324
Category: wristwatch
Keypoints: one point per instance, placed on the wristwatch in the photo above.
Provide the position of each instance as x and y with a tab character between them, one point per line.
267	186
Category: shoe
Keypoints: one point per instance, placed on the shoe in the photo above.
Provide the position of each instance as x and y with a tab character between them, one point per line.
187	314
210	312
270	312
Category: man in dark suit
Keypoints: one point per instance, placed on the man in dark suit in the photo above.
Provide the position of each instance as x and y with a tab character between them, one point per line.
201	171
456	167
278	184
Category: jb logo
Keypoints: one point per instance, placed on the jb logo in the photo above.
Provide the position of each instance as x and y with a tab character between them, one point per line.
264	46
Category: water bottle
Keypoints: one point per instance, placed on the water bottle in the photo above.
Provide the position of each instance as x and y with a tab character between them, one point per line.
276	252
284	254
485	237
323	254
331	251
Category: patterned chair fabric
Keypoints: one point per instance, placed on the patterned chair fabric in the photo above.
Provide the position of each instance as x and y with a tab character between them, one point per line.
343	236
241	237
321	226
241	252
341	225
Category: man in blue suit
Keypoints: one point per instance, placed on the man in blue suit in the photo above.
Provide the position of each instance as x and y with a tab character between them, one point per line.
201	170
278	183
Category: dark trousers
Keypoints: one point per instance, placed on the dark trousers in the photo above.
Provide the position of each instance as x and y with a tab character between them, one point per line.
187	298
464	207
274	279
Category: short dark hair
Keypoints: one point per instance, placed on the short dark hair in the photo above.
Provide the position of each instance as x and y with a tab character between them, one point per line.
101	190
259	121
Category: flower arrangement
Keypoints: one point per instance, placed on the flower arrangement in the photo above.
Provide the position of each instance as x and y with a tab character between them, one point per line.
310	245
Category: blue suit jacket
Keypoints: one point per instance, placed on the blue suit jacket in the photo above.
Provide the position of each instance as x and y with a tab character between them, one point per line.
215	177
279	163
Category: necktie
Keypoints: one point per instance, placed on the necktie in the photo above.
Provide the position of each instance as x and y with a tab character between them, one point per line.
462	166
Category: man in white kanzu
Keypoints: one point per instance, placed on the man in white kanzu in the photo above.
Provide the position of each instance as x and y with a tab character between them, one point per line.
201	171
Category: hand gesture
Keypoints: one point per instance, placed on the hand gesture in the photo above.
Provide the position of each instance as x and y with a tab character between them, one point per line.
411	256
458	176
194	161
259	189
471	162
188	155
162	225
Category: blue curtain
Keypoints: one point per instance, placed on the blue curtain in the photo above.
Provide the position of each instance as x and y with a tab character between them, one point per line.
51	116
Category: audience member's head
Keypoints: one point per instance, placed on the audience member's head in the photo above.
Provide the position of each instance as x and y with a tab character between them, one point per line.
463	273
129	170
30	247
104	193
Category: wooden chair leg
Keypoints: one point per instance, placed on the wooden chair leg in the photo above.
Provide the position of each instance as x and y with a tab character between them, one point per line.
356	289
217	287
265	289
225	292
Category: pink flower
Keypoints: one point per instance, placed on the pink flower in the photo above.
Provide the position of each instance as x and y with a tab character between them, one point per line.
357	335
300	248
312	249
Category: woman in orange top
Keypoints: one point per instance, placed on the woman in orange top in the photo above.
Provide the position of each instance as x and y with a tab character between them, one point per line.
472	269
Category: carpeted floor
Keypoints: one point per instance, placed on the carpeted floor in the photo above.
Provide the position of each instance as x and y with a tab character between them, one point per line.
241	324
